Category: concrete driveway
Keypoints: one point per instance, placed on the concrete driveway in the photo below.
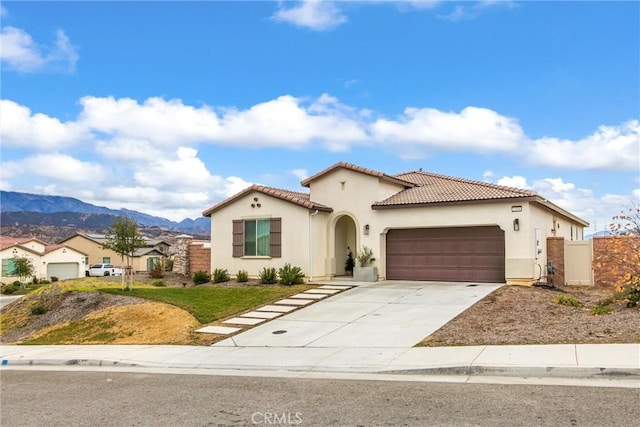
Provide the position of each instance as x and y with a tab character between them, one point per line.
388	314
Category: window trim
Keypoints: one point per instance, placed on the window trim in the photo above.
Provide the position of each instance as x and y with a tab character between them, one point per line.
275	238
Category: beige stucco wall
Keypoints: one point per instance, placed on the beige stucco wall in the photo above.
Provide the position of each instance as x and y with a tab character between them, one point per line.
62	255
40	261
17	251
295	235
94	250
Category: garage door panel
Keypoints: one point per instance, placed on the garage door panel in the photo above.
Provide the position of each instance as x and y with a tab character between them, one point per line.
62	270
446	254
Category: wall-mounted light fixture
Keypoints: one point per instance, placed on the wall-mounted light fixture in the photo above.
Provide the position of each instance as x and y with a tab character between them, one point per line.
366	229
516	224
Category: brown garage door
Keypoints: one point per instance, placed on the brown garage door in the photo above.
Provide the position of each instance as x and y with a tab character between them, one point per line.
457	254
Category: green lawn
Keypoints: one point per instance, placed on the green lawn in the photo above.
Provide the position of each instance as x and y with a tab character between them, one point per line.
211	303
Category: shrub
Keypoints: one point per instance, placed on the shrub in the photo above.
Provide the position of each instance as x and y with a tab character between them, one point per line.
17	283
157	271
220	275
159	283
44	282
601	309
365	257
567	300
290	275
200	277
54	279
631	292
268	276
350	262
38	310
8	289
34	280
242	276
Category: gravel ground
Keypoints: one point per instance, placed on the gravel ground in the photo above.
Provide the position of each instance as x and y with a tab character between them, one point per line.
529	315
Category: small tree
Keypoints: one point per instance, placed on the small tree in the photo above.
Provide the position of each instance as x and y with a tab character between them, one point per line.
350	262
23	268
123	238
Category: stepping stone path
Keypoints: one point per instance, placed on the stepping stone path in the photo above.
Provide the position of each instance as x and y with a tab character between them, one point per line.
271	311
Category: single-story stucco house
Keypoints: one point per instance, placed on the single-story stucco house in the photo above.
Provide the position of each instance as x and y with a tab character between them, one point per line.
144	258
420	225
49	260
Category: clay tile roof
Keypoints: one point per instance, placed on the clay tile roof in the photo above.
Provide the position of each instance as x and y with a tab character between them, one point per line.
295	197
356	168
51	248
434	188
7	242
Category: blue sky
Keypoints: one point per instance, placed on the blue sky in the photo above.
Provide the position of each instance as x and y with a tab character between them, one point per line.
169	107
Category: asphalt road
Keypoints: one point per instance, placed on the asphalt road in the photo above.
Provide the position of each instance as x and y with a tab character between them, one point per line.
53	398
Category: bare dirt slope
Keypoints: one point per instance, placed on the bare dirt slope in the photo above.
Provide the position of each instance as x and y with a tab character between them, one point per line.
528	315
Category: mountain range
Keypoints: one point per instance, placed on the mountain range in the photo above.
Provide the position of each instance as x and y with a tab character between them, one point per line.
25	209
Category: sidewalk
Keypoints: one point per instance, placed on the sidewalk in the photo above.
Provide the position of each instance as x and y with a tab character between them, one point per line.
621	361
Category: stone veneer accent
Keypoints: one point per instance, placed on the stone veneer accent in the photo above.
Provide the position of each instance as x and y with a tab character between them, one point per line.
181	257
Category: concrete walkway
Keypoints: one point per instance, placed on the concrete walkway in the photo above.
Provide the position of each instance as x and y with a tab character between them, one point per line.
620	361
370	328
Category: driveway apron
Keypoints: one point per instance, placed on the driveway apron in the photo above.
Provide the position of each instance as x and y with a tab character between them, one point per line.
388	314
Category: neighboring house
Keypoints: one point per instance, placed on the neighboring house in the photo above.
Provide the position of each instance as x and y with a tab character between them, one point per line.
48	260
421	226
143	260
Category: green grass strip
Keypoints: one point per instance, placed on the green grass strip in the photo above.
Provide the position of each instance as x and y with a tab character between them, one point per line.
211	303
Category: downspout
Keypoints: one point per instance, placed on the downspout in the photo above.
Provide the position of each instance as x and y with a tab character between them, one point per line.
311	245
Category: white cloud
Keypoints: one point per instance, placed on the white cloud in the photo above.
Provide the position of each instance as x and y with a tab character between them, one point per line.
21	53
318	15
127	150
301	174
472	10
487	176
19	127
282	122
610	147
514	181
422	130
186	170
55	166
156	126
169	123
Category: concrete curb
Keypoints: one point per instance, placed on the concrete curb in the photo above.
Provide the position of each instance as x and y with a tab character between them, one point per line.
469	371
526	371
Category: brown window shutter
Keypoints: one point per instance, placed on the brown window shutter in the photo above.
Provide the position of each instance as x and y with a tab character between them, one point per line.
275	238
238	238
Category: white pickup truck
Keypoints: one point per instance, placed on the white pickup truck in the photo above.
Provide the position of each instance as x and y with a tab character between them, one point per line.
99	270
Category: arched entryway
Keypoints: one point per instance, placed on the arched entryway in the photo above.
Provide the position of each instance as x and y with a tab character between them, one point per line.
345	240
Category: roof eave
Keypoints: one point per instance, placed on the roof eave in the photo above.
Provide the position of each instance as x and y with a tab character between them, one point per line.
549	205
452	202
262	190
354	168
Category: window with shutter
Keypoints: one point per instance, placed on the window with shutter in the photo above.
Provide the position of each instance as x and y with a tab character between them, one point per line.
257	237
238	238
275	242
